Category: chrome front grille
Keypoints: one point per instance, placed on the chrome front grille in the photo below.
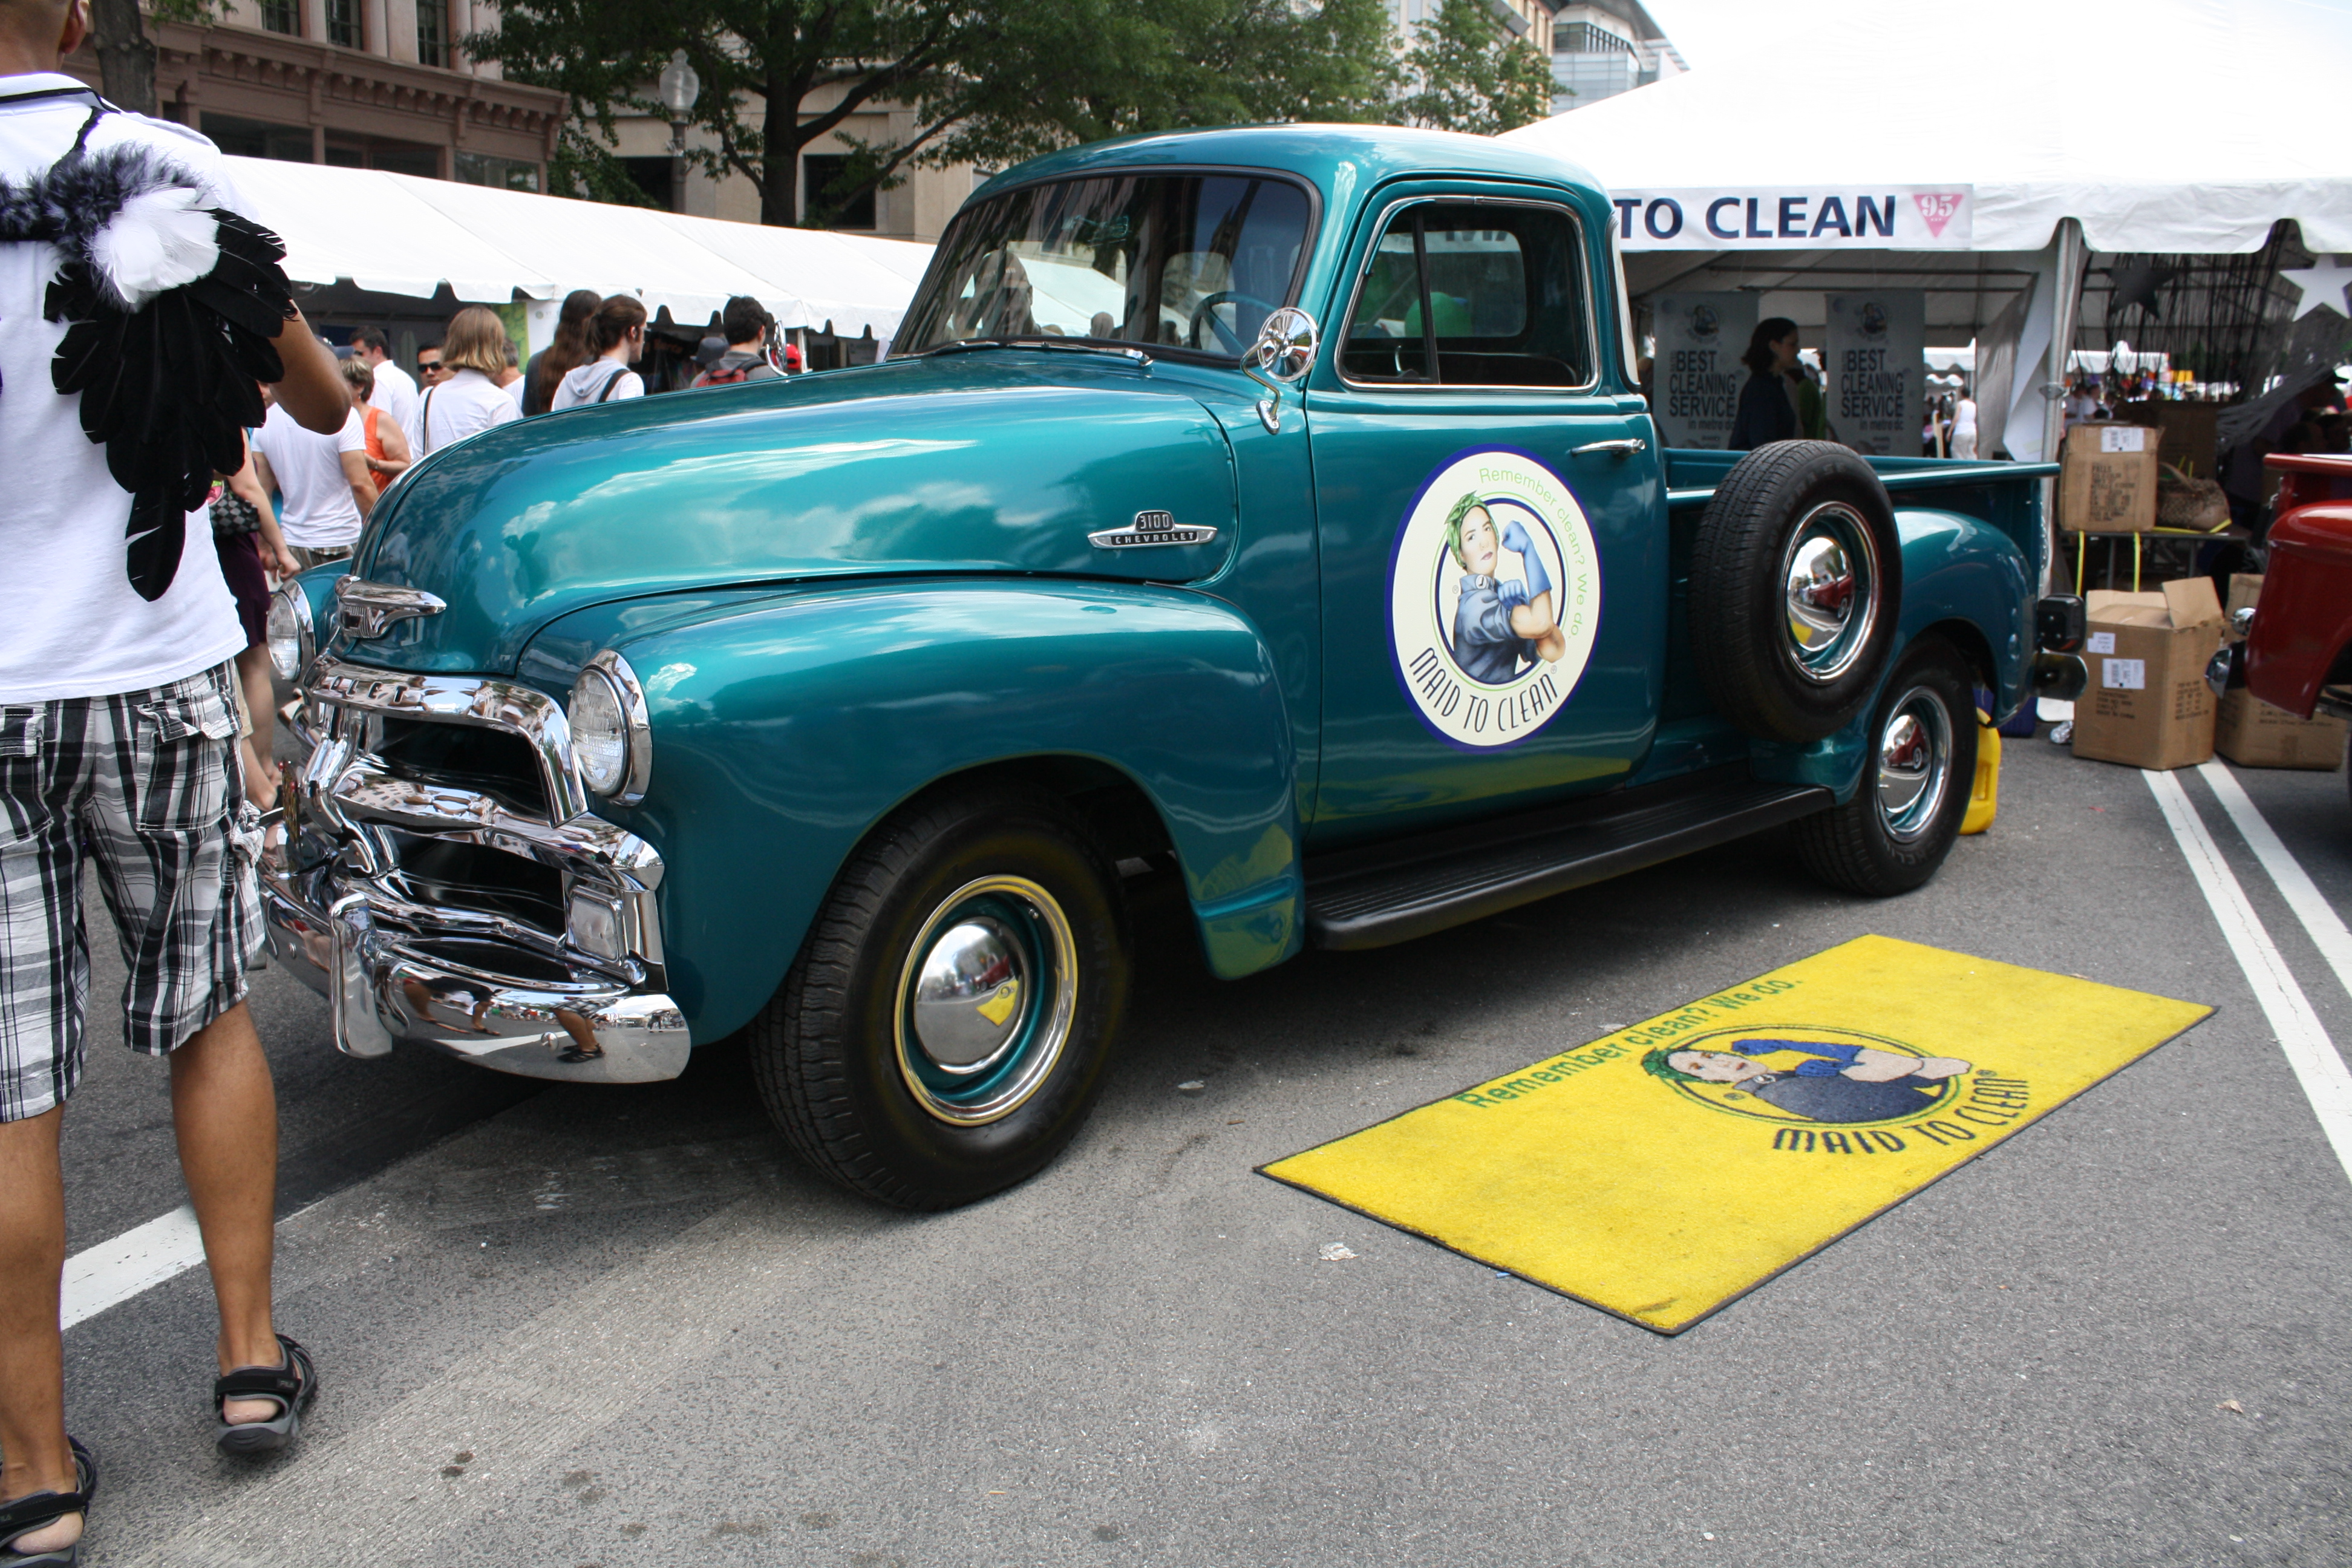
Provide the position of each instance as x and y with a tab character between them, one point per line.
442	880
455	801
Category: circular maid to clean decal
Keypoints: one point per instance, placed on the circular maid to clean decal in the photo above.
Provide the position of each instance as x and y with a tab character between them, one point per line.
1493	598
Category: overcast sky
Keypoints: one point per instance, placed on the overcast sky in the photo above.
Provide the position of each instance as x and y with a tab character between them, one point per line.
1708	31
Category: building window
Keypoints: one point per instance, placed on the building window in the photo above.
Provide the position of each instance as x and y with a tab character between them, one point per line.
818	173
282	17
353	150
257	139
343	24
651	175
432	33
501	173
1588	38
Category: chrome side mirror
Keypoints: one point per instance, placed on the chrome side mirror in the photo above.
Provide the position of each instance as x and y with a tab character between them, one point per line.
1284	354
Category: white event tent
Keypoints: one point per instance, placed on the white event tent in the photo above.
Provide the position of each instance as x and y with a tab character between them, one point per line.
380	234
2009	134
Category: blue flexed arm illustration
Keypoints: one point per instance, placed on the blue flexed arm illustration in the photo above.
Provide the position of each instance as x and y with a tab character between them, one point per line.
1814	1066
1831	1058
1514	537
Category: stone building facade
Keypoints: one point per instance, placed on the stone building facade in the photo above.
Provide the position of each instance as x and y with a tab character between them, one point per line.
369	84
916	209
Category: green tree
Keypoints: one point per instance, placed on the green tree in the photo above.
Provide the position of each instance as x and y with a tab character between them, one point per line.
986	83
1462	73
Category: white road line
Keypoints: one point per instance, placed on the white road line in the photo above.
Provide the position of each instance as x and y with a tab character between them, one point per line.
2326	1081
2319	918
139	1259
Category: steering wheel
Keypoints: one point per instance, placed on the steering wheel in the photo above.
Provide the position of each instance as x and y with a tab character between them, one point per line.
1201	313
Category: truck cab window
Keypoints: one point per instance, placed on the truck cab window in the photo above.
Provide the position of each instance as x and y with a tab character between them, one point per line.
1191	262
1491	294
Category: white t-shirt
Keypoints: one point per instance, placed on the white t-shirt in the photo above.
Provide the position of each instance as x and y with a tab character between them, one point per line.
70	623
396	393
320	511
467	404
586	383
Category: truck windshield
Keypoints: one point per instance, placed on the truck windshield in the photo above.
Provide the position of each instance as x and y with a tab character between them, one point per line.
1180	261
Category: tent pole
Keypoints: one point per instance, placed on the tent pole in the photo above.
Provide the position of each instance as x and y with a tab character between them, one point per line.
2068	309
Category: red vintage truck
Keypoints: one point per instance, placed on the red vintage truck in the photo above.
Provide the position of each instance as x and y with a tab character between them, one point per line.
2297	648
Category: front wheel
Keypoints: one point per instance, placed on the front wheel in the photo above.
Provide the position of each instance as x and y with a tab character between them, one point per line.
943	1032
1903	820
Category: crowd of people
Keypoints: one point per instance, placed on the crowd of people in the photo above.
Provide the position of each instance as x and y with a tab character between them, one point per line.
327	484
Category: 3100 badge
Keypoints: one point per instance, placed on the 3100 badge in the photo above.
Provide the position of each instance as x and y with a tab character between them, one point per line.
1493	598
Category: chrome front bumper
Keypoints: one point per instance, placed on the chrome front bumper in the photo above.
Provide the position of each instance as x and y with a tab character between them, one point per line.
477	984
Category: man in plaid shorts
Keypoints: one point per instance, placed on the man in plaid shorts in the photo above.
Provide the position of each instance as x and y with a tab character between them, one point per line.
118	750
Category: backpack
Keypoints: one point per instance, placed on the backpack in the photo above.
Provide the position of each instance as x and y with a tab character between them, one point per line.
723	377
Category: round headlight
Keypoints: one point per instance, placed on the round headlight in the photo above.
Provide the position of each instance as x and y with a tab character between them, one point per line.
611	741
600	737
290	637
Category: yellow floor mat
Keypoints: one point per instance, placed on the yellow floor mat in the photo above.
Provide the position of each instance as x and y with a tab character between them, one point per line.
1670	1168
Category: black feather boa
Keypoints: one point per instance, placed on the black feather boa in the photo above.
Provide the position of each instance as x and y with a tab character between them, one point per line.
167	388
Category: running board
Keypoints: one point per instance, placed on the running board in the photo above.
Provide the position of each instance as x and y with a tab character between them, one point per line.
1393	892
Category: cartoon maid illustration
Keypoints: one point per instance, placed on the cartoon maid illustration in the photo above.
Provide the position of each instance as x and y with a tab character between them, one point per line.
1830	1081
1497	624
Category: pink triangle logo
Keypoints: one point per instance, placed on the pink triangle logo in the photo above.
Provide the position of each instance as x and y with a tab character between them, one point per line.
1938	207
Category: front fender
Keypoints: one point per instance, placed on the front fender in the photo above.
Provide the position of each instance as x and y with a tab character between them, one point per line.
785	726
1962	577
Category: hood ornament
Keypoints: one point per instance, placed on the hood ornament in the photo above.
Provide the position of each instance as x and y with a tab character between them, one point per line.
367	610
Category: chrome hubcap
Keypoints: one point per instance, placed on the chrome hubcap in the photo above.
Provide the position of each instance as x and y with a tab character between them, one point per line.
985	1000
1830	586
1915	763
968	996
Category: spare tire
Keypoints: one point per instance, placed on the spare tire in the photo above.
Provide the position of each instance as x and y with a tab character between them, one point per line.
1796	584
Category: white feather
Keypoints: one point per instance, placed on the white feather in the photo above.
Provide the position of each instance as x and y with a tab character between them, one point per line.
159	240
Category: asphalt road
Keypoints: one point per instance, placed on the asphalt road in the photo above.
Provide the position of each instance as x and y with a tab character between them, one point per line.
621	1326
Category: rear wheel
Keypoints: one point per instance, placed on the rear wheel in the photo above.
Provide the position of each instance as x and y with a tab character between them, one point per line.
1903	820
943	1032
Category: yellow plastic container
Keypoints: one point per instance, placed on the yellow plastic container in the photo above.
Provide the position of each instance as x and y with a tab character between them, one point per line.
1984	796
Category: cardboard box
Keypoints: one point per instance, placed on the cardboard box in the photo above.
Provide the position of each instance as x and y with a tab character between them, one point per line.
2106	478
2189	432
2253	734
2148	704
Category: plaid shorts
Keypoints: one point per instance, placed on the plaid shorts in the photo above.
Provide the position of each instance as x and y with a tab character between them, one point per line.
144	785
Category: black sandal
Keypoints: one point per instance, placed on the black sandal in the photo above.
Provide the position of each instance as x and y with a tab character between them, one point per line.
293	1384
27	1514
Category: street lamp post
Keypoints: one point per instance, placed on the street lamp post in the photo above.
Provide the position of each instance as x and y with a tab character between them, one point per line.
680	88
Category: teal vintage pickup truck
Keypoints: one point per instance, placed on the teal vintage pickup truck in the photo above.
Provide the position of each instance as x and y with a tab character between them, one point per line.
1273	506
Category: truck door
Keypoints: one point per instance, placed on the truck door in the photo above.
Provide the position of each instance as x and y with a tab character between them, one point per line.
1492	517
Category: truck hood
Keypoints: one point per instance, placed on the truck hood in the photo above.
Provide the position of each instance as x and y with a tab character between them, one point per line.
1000	462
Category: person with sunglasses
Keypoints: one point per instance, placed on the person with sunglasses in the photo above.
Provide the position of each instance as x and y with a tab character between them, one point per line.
428	365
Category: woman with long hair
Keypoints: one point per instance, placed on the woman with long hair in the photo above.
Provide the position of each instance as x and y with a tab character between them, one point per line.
1768	405
616	335
468	400
559	359
387	448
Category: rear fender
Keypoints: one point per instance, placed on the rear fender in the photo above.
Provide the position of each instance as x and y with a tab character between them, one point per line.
785	727
1960	577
